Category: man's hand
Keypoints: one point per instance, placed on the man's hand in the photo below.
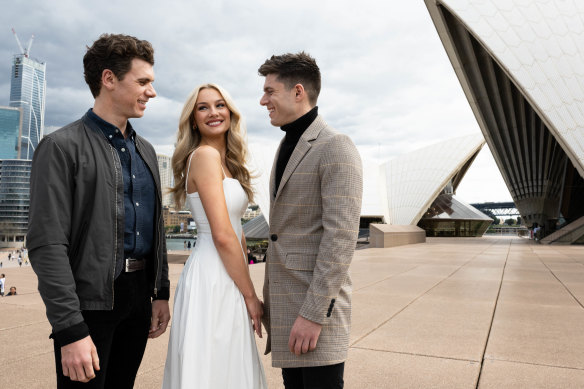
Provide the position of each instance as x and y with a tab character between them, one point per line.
303	336
160	318
79	360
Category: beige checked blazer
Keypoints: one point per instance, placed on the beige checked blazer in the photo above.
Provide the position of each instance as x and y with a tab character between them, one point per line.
314	224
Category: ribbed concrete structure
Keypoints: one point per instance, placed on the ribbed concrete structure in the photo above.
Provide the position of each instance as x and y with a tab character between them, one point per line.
520	65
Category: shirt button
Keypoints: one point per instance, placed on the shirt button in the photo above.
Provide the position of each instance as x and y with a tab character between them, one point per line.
133	176
110	136
123	149
274	237
137	232
137	204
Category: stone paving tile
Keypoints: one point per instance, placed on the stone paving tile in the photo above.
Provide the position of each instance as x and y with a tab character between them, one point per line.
37	371
538	334
434	327
535	293
512	375
368	369
30	339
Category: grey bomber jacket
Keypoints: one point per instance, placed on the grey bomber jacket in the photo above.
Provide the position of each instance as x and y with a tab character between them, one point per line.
76	225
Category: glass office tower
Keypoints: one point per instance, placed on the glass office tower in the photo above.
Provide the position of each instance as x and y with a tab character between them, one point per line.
27	91
14	201
10	121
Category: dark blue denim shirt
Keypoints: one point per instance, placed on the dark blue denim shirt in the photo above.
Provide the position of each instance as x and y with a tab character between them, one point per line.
139	191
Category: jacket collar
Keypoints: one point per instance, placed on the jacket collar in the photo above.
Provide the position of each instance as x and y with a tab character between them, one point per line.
302	147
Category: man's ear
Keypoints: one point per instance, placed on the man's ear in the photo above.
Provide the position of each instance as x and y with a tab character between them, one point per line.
300	92
108	79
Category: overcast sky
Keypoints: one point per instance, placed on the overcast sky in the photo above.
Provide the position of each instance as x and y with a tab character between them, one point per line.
386	79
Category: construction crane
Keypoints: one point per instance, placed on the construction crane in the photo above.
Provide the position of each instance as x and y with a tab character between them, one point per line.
23	51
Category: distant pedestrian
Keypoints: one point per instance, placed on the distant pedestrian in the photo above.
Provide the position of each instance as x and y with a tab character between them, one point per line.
185	244
189	245
9	256
250	258
2	279
12	291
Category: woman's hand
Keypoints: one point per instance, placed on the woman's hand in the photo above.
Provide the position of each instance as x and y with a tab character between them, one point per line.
255	309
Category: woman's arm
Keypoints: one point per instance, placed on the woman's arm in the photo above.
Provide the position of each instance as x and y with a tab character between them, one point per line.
206	178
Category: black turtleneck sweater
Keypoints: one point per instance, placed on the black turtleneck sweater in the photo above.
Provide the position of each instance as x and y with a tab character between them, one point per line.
293	131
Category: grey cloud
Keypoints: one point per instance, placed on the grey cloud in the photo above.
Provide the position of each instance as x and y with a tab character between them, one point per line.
387	81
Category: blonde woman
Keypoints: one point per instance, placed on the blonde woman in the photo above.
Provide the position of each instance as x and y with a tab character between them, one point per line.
216	309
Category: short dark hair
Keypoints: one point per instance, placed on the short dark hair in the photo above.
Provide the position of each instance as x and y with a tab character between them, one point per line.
292	69
114	52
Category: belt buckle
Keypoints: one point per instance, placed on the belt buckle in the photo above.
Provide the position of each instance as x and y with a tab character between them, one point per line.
130	265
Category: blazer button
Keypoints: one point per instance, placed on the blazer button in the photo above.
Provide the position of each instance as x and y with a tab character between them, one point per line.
274	237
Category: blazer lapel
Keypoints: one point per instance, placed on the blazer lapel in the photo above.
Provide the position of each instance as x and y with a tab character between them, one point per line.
304	144
272	185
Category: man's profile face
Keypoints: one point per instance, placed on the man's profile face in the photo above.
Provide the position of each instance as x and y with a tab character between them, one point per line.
13	290
131	94
279	101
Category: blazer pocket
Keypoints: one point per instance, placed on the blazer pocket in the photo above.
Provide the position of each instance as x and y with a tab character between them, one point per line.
304	262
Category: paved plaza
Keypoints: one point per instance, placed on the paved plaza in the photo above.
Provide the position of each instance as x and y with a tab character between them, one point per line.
450	313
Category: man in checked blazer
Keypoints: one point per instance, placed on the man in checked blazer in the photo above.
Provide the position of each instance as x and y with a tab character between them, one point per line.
315	201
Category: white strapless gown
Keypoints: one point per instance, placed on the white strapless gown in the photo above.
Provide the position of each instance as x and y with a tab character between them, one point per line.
212	343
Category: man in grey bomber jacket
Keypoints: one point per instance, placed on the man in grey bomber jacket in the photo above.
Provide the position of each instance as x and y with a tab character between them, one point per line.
96	233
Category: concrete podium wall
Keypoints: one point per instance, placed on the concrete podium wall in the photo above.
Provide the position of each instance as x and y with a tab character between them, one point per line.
387	235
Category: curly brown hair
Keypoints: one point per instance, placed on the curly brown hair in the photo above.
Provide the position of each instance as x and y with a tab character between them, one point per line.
114	52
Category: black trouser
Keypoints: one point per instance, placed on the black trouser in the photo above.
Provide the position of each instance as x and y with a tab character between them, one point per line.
318	377
119	335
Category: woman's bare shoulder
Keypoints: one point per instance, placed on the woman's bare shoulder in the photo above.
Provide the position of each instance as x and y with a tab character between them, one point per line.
206	153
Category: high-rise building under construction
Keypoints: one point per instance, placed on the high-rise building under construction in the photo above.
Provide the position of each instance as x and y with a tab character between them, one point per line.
27	91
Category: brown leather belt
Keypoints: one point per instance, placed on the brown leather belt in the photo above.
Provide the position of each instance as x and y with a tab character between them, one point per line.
133	264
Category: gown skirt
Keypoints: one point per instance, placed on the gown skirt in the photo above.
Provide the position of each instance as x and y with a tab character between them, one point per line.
212	343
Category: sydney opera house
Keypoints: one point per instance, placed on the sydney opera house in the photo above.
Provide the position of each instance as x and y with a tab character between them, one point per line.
520	64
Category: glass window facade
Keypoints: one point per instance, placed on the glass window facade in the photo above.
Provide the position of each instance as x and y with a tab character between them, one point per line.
14	200
448	216
10	120
27	91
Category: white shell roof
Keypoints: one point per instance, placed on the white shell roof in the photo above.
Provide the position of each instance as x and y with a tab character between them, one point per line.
540	45
414	180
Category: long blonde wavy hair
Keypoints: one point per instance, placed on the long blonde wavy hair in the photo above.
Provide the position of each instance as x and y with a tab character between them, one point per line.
188	139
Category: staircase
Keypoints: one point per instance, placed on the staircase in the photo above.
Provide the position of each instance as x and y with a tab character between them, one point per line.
567	235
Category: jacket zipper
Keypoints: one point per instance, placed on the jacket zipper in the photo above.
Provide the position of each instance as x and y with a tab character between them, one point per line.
159	197
116	159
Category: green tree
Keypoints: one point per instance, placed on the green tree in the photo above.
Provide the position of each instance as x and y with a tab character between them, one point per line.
510	221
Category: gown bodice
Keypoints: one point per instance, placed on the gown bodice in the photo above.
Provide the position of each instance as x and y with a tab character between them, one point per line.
236	201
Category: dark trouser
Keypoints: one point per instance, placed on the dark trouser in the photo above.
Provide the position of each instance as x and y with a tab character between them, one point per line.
119	335
319	377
